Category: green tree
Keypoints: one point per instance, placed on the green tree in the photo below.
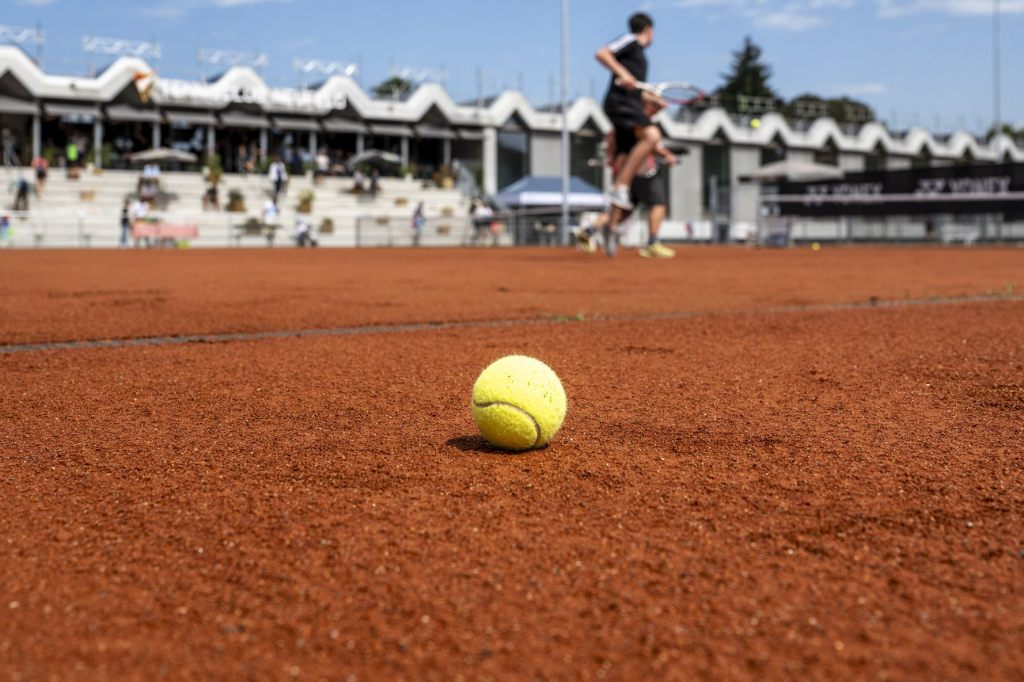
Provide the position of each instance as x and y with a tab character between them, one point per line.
1008	130
393	88
748	77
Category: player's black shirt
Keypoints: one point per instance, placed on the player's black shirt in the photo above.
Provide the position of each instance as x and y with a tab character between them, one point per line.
630	54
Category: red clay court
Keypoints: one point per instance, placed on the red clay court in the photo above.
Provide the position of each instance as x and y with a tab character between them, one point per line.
775	465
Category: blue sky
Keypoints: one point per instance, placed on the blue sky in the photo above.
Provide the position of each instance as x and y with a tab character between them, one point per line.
923	61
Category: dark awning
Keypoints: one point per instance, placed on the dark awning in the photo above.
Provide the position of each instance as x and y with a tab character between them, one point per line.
238	119
10	105
192	118
344	125
470	134
287	123
391	129
83	110
125	113
435	132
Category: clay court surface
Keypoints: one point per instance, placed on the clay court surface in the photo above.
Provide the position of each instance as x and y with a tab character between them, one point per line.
776	465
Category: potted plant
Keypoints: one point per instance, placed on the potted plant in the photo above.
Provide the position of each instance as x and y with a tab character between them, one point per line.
445	177
306	202
236	201
326	226
214	168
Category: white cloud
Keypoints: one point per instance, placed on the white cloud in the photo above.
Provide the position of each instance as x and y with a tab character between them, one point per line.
789	19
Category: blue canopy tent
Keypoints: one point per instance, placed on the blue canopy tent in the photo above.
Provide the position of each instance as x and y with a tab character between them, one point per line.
534	206
538	191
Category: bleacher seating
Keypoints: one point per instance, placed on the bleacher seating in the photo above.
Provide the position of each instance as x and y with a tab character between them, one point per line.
86	211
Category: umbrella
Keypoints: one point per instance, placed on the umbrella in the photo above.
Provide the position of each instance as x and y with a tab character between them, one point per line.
163	154
373	157
789	170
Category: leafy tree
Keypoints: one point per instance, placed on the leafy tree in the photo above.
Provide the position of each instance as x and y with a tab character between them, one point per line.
1008	130
748	76
393	88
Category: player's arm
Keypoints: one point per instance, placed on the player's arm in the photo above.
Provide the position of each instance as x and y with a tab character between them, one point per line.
670	158
607	59
652	103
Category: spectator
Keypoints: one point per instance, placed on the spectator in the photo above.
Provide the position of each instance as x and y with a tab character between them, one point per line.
210	198
358	182
278	177
126	225
244	160
71	153
10	153
140	212
374	183
21	189
5	226
418	222
323	166
42	167
271	214
304	233
482	217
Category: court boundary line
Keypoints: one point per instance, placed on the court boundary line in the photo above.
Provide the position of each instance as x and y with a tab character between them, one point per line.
361	330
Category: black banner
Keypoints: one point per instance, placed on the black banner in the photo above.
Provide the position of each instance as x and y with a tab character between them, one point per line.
977	189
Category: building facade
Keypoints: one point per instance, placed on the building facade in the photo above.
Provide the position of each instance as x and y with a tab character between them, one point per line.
237	116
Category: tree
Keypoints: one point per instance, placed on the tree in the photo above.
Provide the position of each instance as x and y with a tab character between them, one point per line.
748	77
840	109
1016	134
393	88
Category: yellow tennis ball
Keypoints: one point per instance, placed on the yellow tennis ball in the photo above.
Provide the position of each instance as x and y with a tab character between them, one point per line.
816	246
518	403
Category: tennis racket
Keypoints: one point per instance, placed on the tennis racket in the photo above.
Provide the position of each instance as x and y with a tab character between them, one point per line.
673	92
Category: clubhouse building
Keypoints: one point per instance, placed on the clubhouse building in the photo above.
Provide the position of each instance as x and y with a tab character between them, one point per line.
126	108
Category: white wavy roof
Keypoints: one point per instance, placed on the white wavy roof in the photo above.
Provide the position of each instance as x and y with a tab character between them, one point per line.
711	123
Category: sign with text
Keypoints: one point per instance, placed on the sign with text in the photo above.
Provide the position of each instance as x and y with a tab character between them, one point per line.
975	189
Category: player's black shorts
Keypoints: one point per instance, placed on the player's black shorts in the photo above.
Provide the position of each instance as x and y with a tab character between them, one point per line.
649	191
626	112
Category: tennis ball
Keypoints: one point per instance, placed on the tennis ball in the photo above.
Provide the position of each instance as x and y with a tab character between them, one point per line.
518	403
815	246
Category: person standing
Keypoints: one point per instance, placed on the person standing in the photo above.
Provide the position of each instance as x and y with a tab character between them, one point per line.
126	225
271	214
418	222
71	155
42	167
10	153
278	177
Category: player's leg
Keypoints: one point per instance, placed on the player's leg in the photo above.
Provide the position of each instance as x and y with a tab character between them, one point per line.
647	138
655	218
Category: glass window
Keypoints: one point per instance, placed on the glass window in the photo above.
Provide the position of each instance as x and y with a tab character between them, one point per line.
587	160
513	157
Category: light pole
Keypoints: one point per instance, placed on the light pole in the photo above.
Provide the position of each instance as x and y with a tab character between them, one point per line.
996	76
566	152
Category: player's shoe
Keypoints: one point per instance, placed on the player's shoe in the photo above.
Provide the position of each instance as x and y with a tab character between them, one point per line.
657	250
611	241
620	197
